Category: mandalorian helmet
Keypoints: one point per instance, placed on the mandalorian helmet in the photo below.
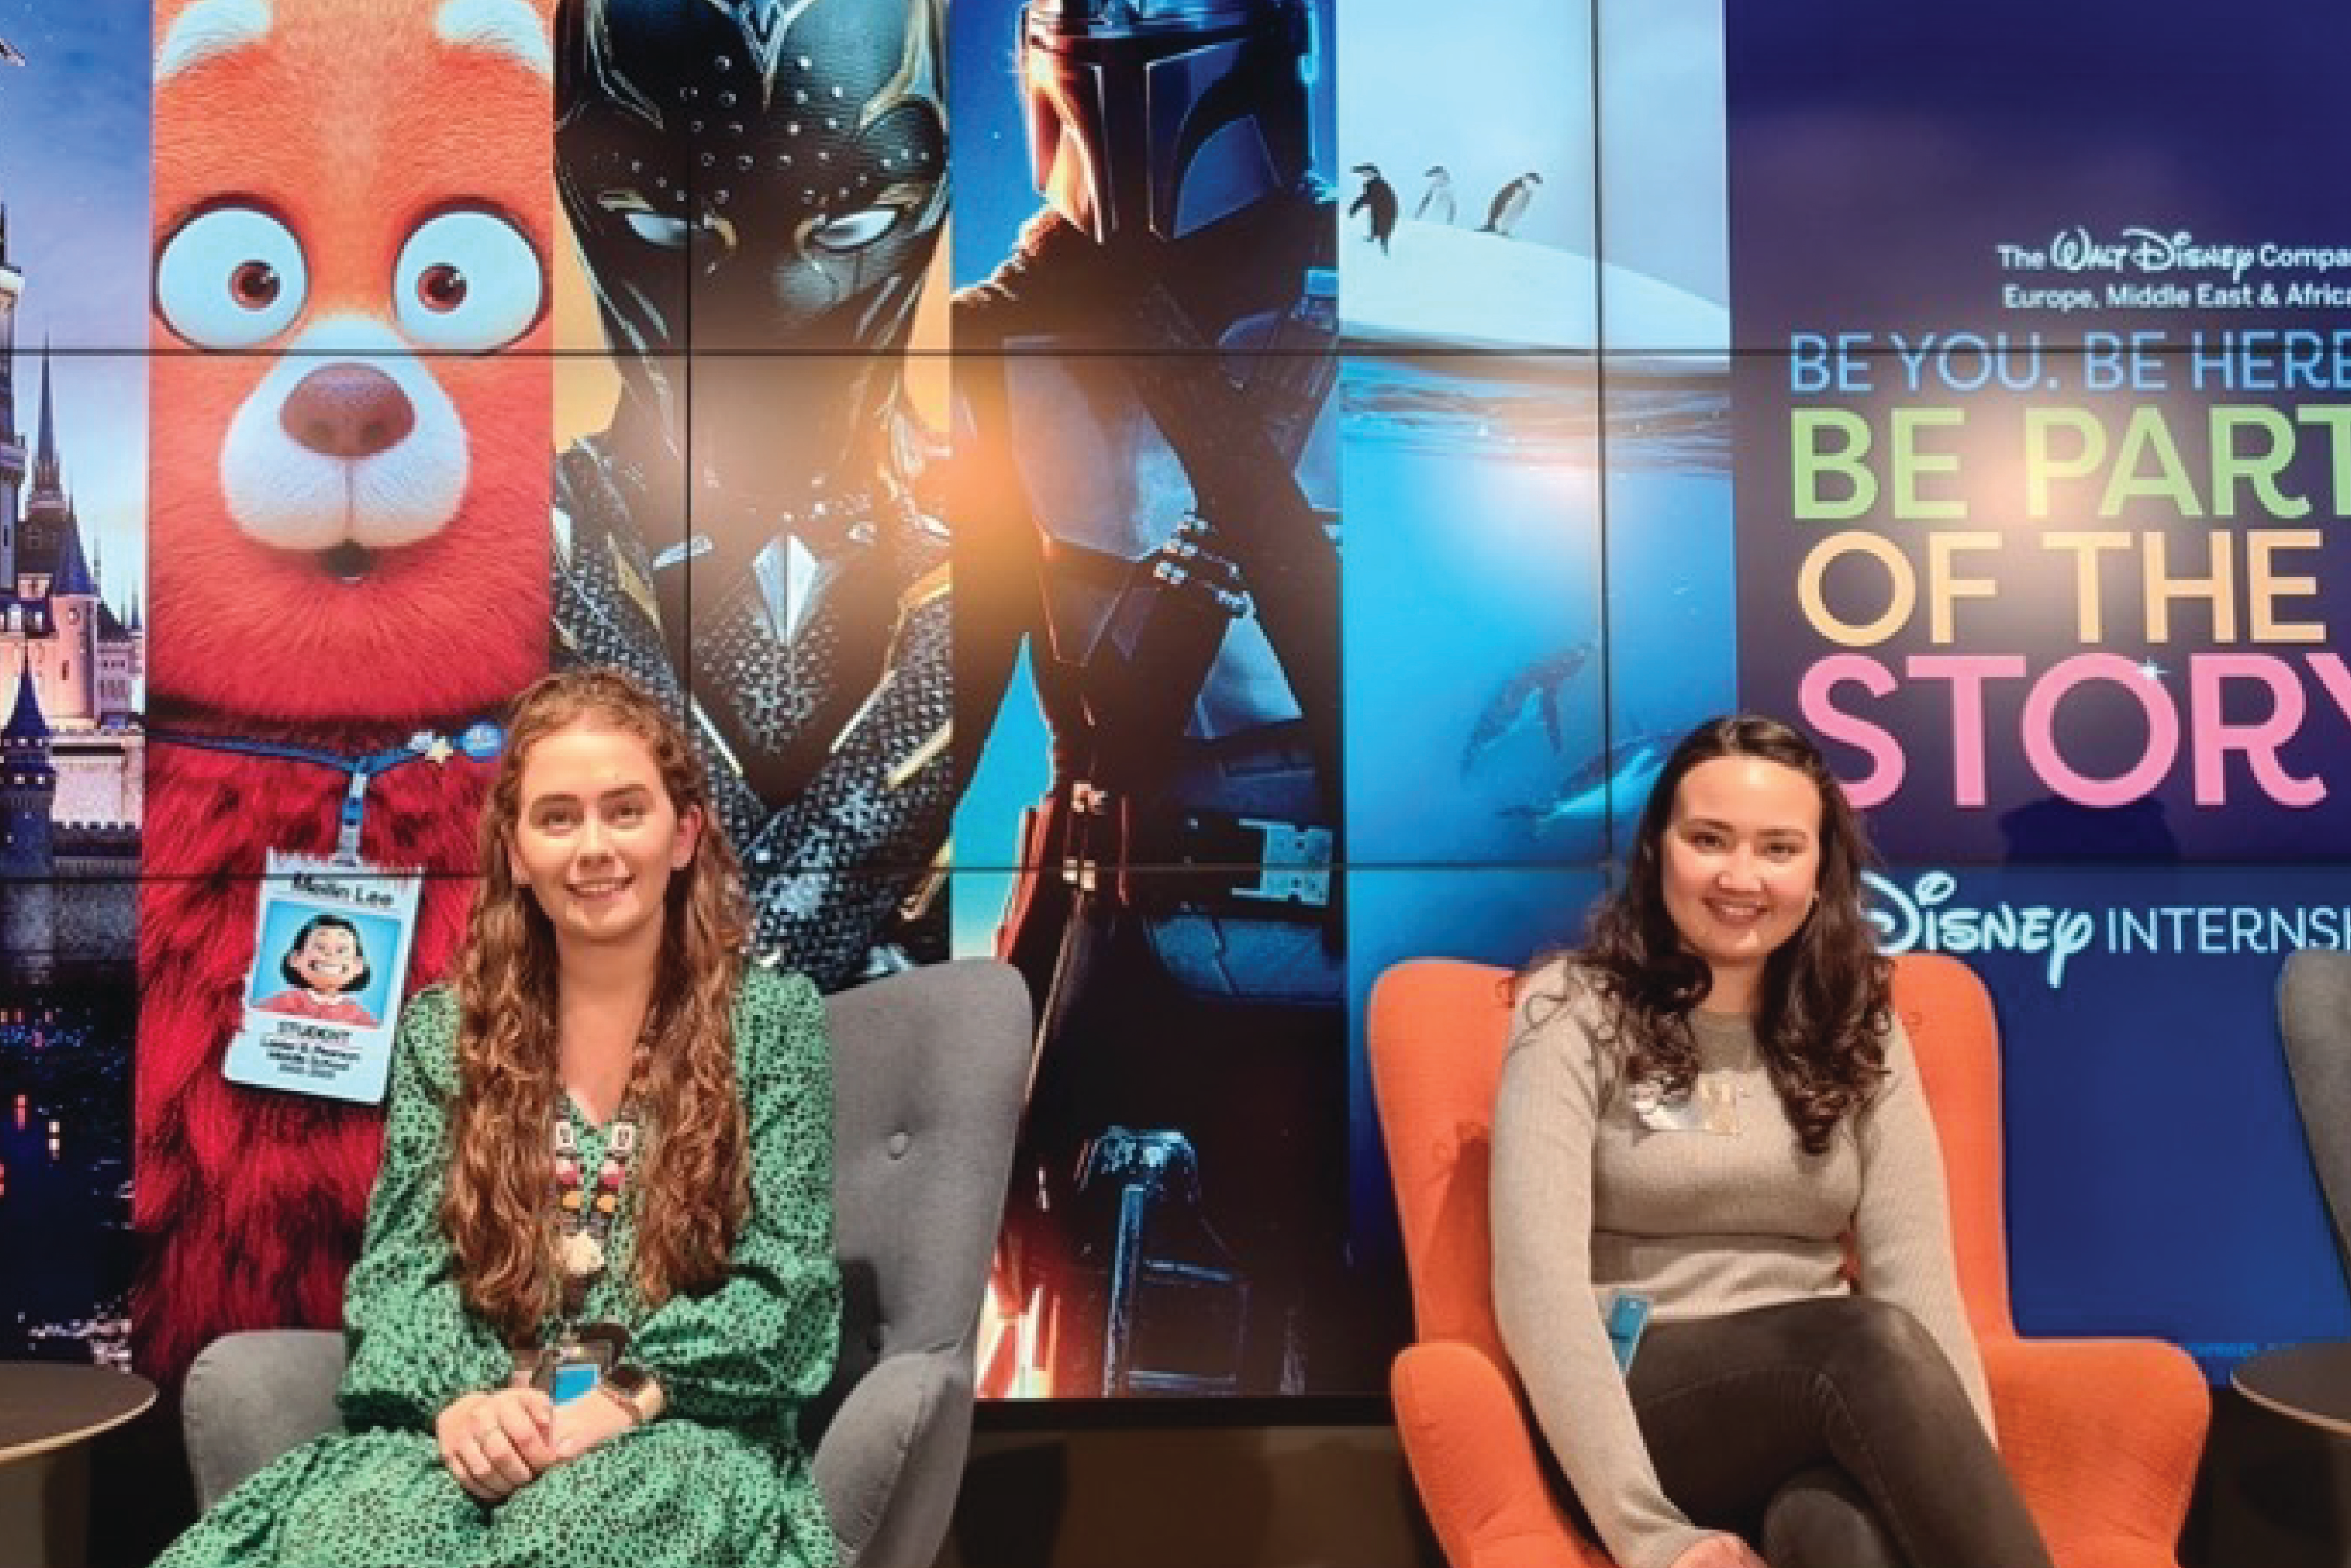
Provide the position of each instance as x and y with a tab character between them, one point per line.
773	172
1162	116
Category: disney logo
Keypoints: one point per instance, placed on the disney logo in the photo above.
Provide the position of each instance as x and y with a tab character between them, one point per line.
1925	919
2145	250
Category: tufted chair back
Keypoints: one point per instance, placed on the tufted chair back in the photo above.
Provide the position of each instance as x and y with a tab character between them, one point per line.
929	1071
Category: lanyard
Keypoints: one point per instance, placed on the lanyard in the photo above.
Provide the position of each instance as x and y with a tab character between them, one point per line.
480	741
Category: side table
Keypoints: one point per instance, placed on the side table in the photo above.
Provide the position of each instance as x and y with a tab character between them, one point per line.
2307	1382
2300	1490
48	1411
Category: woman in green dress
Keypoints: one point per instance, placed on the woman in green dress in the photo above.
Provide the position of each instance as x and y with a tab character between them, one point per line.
598	1280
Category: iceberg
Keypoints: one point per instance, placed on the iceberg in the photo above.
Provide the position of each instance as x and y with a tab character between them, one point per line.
1439	287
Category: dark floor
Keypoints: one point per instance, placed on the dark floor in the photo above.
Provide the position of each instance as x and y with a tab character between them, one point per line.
2271	1494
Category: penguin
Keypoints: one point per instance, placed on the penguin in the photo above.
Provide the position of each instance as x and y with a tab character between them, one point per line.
1381	198
1436	202
1510	204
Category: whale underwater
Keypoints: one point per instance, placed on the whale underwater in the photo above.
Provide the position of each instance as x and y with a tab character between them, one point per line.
1614	784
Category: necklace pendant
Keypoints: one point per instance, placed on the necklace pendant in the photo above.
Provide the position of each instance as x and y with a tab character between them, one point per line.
583	1255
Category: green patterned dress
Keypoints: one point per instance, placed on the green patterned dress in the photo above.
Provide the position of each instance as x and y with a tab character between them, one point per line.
719	1480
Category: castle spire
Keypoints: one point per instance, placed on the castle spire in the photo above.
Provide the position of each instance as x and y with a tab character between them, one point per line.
12	284
26	724
45	448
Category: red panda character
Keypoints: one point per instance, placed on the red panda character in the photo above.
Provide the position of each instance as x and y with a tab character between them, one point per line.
351	421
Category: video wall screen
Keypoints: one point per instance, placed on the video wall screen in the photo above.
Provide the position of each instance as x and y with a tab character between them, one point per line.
1204	501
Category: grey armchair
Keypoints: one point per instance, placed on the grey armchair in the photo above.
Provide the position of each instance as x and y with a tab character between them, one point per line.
2314	1018
929	1069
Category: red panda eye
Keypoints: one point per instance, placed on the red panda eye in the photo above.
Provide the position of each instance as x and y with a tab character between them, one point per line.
254	285
441	287
466	281
232	276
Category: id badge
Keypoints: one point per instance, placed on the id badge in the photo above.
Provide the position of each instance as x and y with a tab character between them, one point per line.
321	1002
575	1373
1628	1316
574	1364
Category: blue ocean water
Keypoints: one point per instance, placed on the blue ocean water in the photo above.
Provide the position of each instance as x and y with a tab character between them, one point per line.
1520	532
1538	595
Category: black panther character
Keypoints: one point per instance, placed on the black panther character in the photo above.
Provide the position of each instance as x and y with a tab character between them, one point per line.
1143	497
761	184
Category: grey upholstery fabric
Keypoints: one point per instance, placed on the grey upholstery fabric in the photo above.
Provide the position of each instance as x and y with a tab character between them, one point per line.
2315	1016
928	1072
251	1396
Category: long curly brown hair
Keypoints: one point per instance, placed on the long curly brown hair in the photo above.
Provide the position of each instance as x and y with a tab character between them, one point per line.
692	1186
1824	1004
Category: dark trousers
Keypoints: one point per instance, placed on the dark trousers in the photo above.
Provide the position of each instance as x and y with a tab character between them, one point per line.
1831	1434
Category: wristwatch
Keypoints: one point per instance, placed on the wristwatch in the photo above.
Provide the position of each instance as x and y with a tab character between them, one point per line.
634	1387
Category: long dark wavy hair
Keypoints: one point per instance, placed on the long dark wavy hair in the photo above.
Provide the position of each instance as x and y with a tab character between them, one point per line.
694	1190
1826	1002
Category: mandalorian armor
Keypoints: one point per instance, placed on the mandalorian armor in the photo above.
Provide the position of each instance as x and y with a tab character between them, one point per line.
1149	503
1163	115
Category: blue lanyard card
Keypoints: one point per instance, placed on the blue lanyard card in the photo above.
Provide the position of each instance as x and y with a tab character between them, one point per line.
571	1379
1628	1314
574	1364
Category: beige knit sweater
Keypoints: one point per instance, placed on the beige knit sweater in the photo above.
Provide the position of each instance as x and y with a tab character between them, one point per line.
1587	1199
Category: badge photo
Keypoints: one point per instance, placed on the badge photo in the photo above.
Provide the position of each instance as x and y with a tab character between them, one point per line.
330	950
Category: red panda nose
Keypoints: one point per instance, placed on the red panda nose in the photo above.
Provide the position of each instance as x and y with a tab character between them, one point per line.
348	410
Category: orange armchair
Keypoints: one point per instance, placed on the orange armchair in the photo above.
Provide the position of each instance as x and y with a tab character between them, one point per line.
2102	1436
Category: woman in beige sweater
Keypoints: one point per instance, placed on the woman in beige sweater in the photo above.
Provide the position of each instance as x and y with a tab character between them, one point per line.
1701	1118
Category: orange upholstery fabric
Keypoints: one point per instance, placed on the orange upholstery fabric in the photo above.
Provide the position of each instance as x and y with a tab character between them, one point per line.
2102	1436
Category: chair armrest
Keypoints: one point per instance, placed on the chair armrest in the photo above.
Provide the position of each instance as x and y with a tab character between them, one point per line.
891	1463
2102	1437
251	1396
1473	1459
